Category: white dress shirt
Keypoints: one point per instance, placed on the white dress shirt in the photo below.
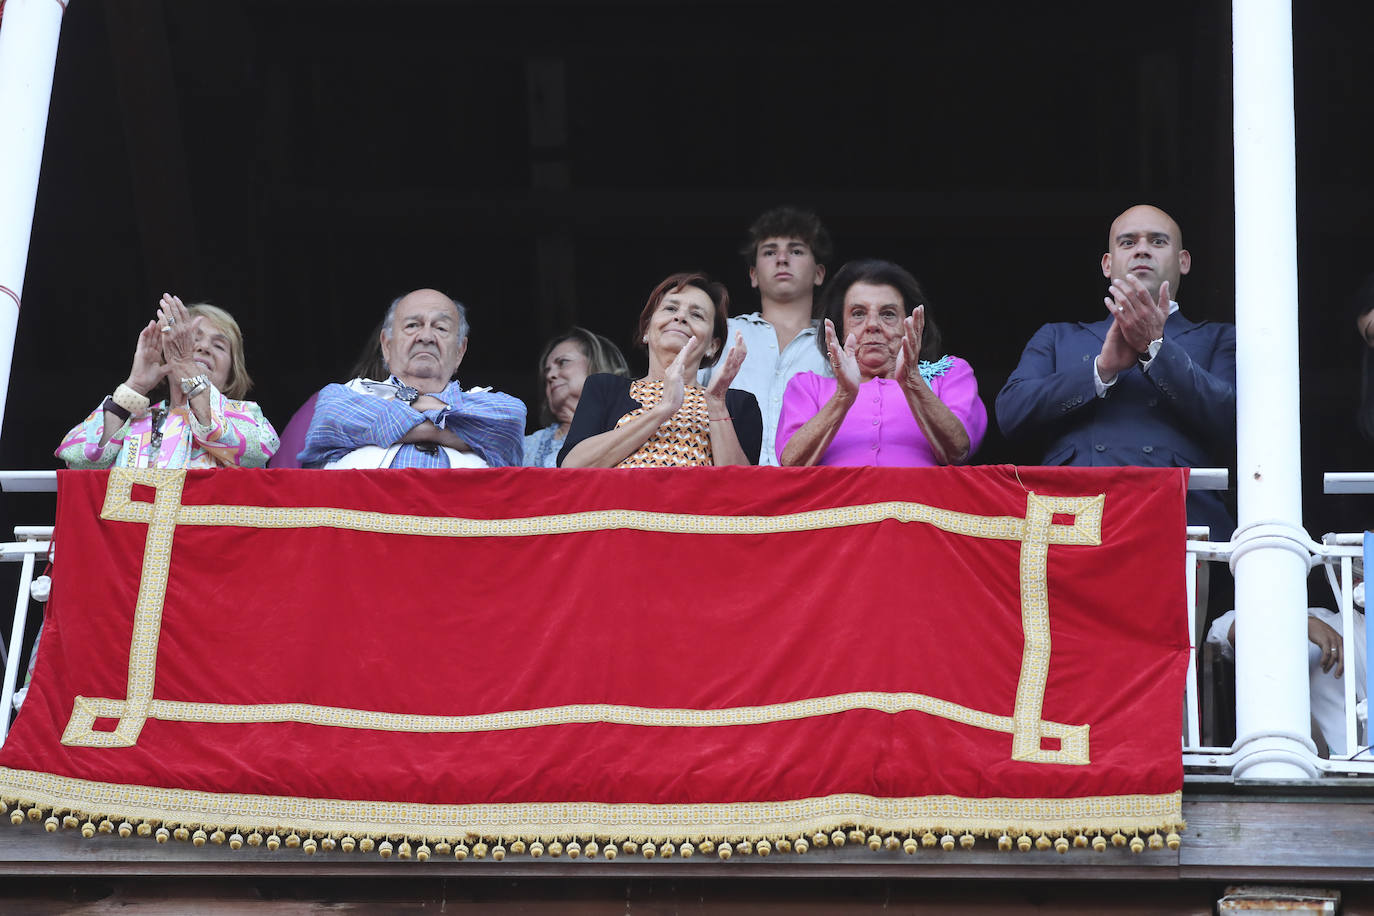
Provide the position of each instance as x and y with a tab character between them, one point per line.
766	372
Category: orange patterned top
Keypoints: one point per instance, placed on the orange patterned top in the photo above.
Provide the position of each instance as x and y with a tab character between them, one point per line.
684	440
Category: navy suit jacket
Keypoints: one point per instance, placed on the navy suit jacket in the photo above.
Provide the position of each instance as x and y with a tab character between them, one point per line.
1181	413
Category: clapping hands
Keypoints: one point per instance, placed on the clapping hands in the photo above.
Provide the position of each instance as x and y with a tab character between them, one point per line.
842	359
908	373
164	348
674	384
723	376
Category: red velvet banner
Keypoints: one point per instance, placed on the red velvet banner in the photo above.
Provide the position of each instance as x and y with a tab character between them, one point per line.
665	656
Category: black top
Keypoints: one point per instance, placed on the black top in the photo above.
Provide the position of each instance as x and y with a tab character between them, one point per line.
606	398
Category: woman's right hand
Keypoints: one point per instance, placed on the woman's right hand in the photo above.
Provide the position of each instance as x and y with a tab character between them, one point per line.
674	381
842	361
178	345
178	331
147	370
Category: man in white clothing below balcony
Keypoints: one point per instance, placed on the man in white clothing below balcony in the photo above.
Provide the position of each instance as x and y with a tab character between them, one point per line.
786	252
1327	665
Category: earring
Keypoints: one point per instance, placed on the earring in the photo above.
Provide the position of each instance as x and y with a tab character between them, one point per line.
646	338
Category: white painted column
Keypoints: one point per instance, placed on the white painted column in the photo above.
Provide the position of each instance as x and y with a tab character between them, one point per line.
1270	558
28	53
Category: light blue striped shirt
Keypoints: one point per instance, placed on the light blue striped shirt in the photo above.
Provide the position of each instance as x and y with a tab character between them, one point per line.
492	423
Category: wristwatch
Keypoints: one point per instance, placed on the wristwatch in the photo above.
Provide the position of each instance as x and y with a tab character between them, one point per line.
195	384
1150	352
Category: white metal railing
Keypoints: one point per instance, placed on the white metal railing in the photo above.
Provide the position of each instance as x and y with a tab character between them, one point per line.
1199	552
1348	482
1338	554
28	481
28	544
1343	558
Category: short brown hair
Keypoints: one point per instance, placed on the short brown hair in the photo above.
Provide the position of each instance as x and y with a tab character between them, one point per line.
788	223
716	292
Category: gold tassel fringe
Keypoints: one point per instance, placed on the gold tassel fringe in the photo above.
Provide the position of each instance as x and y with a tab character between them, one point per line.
591	848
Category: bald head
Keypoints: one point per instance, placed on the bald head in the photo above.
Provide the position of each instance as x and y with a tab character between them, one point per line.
1144	212
424	338
1146	243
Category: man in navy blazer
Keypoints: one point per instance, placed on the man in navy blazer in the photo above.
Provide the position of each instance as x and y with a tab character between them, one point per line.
1143	386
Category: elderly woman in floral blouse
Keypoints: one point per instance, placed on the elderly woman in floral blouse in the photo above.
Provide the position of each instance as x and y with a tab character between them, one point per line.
897	400
195	354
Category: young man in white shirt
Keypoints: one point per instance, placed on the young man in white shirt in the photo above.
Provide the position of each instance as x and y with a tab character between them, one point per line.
786	252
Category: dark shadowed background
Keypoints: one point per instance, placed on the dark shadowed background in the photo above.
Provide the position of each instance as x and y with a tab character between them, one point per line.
301	163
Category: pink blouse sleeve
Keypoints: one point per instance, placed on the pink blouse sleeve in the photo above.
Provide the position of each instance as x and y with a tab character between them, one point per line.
800	402
958	389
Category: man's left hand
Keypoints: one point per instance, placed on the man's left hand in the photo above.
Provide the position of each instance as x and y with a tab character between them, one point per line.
1139	316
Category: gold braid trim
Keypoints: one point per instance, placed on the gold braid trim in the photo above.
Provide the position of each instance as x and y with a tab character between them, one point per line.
119	506
1036	532
617	823
1073	738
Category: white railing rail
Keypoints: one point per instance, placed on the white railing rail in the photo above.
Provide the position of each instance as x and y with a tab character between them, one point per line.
1194	573
1338	554
1337	482
28	481
28	544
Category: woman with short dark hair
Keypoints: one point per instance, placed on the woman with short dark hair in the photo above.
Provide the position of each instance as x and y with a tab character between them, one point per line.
896	399
661	420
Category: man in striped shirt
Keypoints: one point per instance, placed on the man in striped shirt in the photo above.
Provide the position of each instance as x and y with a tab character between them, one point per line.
420	417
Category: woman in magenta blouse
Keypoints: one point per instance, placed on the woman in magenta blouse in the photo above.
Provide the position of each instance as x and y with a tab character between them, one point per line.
897	400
